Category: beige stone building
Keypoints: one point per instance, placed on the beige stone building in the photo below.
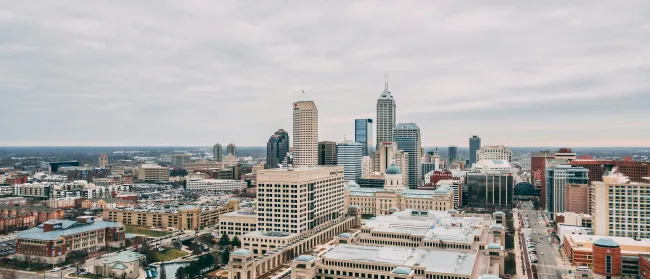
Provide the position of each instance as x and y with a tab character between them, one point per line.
124	264
238	223
153	173
185	217
619	207
376	201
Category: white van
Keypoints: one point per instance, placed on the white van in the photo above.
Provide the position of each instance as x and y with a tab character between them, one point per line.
582	268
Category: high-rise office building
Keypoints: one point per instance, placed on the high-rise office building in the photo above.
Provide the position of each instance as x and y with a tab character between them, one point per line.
305	134
217	150
180	159
231	149
494	152
386	116
620	207
452	154
276	149
407	136
363	134
474	146
327	153
349	155
557	179
538	169
103	161
387	154
489	185
314	196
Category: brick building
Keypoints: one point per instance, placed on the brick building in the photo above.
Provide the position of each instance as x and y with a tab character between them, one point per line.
14	218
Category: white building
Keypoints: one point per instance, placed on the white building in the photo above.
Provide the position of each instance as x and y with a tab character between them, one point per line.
620	207
366	166
349	155
386	116
494	152
237	223
491	165
305	134
296	200
386	155
217	185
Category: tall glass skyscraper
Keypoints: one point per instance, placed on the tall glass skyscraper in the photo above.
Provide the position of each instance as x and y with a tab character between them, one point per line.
276	149
363	134
408	138
557	178
452	153
474	145
349	156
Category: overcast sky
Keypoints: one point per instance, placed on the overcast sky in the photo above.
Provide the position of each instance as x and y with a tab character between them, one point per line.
522	73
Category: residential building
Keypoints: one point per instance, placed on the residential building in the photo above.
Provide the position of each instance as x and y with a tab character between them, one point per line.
363	134
386	116
63	203
387	154
184	217
107	203
305	134
217	151
408	139
311	196
327	153
452	154
215	185
494	152
558	178
349	155
14	218
474	145
238	223
153	173
125	264
276	149
12	201
620	207
51	241
103	161
231	149
39	189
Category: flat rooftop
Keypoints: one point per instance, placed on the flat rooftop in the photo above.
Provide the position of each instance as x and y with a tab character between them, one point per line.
242	213
438	261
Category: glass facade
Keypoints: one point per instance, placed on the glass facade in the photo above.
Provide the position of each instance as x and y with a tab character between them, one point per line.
490	191
474	145
363	134
556	179
407	137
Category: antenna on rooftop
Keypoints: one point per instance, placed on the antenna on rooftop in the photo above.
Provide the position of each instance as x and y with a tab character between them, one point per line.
386	80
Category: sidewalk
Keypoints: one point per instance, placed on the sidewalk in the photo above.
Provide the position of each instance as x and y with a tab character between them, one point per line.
518	255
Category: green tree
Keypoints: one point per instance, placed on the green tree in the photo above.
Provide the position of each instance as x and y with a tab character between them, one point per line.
224	240
177	244
235	242
180	273
192	270
195	248
225	256
206	261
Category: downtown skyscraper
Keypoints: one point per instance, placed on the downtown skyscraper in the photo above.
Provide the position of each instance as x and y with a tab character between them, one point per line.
349	155
363	134
474	145
276	149
217	150
305	134
386	116
408	139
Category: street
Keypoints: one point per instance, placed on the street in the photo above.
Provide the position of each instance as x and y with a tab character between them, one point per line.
545	252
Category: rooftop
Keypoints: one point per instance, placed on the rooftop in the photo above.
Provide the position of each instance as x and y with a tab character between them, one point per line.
404	258
125	257
68	227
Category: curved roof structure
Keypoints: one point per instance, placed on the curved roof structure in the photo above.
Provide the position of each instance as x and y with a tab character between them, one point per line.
304	258
241	252
393	169
606	242
402	270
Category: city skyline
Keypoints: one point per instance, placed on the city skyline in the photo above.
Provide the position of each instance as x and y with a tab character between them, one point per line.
568	74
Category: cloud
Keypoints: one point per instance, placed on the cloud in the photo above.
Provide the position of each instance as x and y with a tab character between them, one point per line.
199	72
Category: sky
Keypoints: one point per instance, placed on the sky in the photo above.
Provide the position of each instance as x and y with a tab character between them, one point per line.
519	73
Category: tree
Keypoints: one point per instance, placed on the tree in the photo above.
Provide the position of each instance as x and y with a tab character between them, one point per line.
235	242
144	248
163	272
180	273
225	256
205	261
196	249
224	240
177	244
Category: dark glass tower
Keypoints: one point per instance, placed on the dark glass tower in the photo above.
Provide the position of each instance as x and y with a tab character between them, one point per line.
363	134
276	149
407	136
452	153
474	145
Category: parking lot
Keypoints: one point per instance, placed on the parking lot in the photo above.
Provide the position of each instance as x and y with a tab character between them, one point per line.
7	245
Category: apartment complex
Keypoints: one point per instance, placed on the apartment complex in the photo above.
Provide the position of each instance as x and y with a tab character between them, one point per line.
305	134
295	200
620	207
183	217
494	152
52	240
215	185
153	173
